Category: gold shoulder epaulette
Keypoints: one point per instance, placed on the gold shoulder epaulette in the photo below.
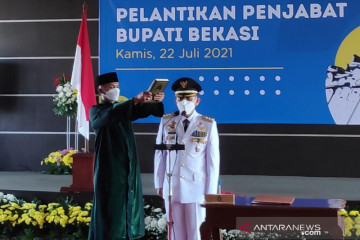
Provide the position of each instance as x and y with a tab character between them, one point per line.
208	119
168	115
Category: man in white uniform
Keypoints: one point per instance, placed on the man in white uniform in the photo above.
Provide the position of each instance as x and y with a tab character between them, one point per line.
195	170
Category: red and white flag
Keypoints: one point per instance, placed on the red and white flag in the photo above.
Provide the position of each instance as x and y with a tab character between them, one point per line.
82	78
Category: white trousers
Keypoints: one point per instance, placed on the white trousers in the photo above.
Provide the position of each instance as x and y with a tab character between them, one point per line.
187	218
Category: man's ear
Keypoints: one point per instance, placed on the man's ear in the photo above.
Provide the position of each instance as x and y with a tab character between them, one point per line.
197	101
100	90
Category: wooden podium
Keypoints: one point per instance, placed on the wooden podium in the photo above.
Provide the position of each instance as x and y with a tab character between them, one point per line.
315	211
82	173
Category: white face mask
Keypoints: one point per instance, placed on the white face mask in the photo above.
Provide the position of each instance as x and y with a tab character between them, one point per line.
185	105
112	95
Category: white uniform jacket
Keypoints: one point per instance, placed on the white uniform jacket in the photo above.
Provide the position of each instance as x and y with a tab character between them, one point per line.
195	169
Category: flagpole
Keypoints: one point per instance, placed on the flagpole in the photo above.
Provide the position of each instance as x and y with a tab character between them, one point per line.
68	132
82	79
86	149
86	145
76	136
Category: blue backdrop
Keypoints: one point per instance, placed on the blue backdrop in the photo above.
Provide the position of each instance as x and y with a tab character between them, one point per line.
258	61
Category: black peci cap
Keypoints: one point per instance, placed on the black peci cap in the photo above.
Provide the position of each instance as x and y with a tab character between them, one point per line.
107	78
186	87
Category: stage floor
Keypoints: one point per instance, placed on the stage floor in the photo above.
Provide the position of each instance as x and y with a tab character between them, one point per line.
302	187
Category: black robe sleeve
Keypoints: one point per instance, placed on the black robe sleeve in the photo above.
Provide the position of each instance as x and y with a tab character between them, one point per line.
105	114
143	110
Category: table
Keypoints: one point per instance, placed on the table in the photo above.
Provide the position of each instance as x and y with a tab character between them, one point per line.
223	216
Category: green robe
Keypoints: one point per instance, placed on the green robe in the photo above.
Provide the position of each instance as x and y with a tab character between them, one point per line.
118	211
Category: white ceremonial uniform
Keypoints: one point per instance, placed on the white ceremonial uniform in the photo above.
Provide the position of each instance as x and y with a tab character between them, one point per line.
195	170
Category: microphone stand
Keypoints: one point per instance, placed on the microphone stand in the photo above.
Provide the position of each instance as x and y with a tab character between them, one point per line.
169	174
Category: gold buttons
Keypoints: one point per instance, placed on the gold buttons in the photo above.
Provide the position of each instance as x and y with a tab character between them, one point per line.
182	165
182	176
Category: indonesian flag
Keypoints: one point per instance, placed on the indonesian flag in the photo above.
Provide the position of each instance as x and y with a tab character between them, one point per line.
82	78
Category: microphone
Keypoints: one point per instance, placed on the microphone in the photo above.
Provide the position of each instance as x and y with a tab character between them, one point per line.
183	113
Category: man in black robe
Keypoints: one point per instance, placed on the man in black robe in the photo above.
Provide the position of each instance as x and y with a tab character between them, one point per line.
117	211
